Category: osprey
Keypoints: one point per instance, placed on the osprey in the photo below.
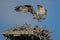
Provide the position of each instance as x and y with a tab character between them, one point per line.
39	15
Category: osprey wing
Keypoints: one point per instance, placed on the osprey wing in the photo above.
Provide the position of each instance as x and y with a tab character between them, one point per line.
21	9
25	8
41	10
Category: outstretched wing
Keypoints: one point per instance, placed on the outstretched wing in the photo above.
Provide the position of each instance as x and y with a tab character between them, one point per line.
21	8
25	8
40	13
41	10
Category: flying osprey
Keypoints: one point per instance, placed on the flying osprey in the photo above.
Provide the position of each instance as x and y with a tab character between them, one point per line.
39	15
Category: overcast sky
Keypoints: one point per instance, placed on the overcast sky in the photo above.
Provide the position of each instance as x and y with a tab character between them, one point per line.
9	17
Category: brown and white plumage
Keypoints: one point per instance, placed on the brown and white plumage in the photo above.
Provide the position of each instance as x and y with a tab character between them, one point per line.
25	8
39	15
41	10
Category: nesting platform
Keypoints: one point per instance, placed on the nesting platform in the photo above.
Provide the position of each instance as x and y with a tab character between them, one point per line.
26	32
